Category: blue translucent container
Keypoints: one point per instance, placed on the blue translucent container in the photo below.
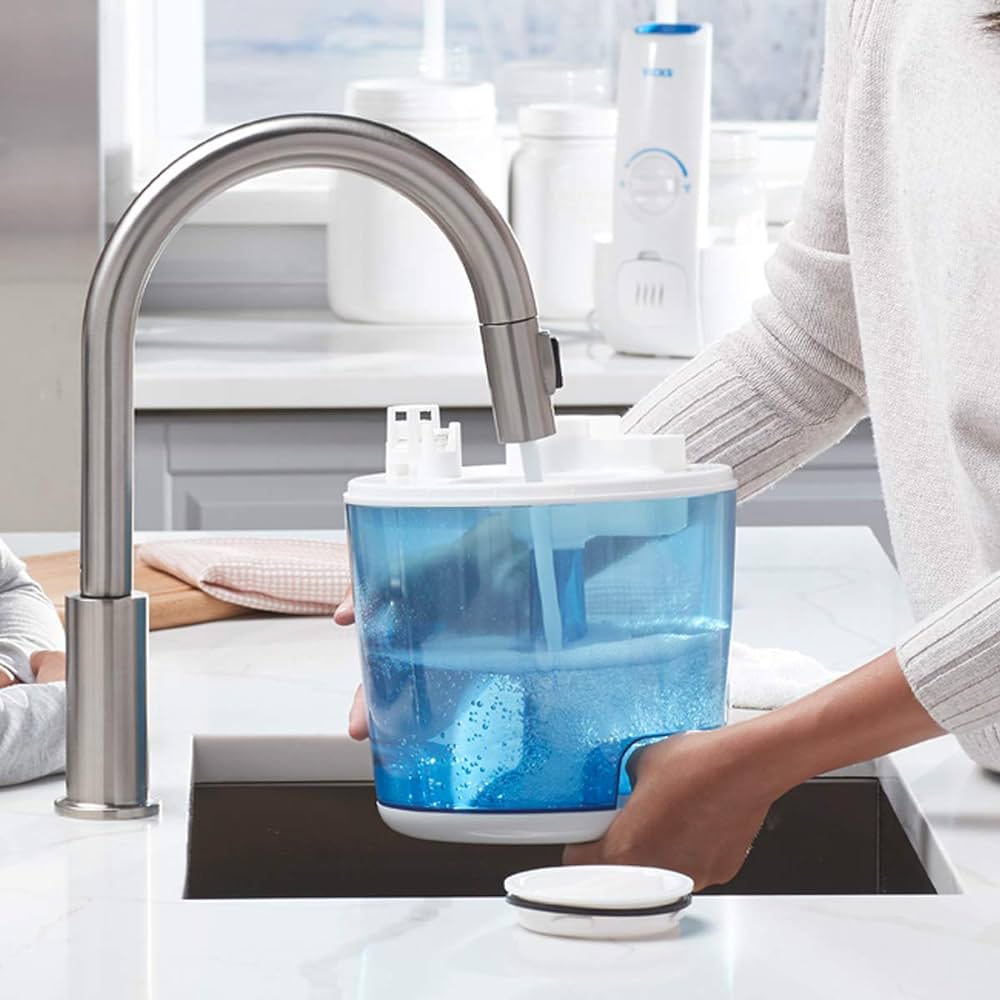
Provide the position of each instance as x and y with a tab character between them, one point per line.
514	652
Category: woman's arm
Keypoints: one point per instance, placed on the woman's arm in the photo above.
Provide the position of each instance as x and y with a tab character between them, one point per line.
700	798
951	660
790	383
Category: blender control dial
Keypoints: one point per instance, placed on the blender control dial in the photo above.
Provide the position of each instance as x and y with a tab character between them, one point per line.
654	178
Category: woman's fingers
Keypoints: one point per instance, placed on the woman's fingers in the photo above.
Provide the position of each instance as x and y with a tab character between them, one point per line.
7	678
583	854
344	615
357	722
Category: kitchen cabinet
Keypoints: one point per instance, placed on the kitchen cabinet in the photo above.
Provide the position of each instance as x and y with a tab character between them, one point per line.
238	470
226	470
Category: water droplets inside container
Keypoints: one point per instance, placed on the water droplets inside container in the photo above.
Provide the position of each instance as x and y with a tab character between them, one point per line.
524	626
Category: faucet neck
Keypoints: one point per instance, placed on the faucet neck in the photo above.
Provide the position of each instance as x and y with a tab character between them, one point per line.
519	359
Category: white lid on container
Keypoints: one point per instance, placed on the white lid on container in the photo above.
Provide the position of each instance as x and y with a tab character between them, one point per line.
568	121
416	99
614	902
588	460
600	888
730	144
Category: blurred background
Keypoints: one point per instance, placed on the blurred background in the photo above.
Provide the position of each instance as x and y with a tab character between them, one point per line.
260	389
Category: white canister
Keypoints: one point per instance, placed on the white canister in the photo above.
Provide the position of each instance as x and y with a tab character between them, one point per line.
387	262
561	194
737	198
732	267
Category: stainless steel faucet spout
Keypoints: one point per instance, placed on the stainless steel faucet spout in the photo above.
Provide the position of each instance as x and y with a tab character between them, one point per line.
107	755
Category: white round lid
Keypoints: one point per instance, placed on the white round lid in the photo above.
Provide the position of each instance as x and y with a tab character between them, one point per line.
568	121
418	100
588	460
597	889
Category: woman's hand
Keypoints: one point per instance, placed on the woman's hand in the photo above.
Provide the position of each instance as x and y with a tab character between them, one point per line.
695	809
357	720
700	798
48	666
344	615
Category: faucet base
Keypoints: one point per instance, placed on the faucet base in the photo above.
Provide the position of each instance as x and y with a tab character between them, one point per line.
92	810
106	738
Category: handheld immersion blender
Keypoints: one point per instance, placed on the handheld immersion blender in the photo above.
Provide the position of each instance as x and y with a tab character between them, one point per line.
648	277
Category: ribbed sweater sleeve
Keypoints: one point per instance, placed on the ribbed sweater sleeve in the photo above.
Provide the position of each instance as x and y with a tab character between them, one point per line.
32	716
790	383
952	661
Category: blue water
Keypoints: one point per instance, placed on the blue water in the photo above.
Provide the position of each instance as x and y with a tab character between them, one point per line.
460	726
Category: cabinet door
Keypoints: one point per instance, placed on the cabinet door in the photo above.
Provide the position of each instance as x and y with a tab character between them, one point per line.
230	471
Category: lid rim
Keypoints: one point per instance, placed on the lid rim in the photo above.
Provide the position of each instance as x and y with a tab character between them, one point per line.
600	911
600	890
568	120
695	481
414	100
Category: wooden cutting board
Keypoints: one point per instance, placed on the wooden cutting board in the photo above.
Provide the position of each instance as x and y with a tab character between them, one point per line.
172	602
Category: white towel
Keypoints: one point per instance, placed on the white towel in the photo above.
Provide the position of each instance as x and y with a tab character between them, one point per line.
294	576
770	678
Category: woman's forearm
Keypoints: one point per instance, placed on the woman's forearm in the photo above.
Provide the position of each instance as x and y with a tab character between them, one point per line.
867	713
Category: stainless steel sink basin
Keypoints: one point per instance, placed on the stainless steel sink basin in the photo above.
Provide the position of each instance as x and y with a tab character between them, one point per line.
322	837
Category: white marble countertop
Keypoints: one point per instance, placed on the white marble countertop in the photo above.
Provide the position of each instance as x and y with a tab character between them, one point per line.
92	910
308	361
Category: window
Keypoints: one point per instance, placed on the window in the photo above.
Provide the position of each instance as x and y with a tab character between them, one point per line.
263	58
192	67
196	66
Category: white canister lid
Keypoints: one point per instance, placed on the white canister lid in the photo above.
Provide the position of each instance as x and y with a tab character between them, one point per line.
734	145
568	121
406	100
588	460
599	901
600	888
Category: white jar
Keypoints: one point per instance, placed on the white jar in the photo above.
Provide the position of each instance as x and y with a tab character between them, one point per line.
387	262
737	197
561	194
732	266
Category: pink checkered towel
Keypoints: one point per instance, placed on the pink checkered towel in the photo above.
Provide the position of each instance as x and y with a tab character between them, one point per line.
294	576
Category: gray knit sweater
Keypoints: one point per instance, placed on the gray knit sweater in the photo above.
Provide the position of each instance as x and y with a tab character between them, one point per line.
885	300
32	716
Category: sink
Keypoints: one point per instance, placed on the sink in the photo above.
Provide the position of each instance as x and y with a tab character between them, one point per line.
254	833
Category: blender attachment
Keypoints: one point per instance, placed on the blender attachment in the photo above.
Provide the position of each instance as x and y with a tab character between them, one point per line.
647	290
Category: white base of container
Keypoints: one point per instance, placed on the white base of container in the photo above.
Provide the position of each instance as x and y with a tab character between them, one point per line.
577	827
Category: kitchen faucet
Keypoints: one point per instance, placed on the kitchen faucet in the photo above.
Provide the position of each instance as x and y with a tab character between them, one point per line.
107	622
